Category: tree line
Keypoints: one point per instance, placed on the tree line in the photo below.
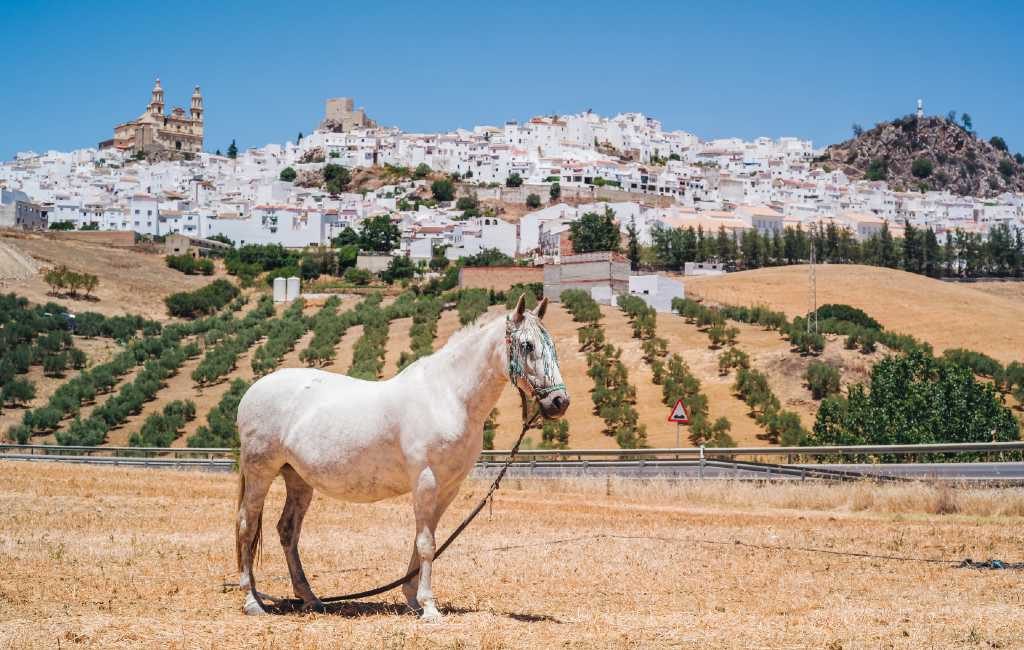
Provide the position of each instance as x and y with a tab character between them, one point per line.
957	254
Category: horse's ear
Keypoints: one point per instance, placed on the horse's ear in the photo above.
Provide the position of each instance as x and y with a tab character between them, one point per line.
519	309
542	308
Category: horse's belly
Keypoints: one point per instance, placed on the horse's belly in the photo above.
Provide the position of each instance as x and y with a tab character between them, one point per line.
361	475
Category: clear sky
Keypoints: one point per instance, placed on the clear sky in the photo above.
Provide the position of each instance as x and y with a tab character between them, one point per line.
74	69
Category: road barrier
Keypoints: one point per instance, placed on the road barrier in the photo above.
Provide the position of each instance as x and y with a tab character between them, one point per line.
687	462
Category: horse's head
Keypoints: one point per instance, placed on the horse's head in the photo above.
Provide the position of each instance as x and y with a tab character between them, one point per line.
532	360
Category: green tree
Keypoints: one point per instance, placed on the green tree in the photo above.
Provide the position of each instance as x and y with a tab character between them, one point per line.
998	143
232	150
555	435
515	180
914	399
633	247
555	191
288	175
422	171
18	391
336	178
922	168
1006	168
379	235
346	237
595	232
965	119
400	268
443	189
532	201
878	170
358	277
822	379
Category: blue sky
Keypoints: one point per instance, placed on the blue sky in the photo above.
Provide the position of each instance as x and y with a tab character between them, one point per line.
742	69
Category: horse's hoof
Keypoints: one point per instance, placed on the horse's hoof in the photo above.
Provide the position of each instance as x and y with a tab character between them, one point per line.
315	607
252	608
431	615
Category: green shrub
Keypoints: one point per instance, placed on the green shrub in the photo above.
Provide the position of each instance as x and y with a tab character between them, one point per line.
822	379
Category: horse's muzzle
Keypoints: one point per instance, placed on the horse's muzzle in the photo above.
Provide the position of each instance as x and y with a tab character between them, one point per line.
555	404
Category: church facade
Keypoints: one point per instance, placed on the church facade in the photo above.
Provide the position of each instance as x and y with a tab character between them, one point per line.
156	131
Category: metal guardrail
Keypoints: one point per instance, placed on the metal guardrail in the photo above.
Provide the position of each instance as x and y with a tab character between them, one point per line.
556	455
734	452
698	463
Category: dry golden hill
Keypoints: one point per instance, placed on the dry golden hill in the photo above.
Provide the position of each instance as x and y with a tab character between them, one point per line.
131	282
947	315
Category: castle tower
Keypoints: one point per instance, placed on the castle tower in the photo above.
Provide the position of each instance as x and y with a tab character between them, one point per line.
920	109
197	105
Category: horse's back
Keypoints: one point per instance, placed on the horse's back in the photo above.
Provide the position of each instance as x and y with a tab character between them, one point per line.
269	407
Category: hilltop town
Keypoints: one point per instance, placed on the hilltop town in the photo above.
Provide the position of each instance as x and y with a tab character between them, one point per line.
516	188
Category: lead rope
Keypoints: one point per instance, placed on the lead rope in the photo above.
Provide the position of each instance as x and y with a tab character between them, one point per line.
334	603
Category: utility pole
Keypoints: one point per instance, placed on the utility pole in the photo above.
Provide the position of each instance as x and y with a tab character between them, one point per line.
812	316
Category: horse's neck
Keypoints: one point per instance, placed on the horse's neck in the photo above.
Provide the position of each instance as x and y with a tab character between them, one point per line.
473	368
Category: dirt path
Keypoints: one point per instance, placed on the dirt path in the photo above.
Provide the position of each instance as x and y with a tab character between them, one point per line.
343	352
398	342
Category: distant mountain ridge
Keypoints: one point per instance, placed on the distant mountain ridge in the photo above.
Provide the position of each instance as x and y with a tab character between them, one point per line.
935	153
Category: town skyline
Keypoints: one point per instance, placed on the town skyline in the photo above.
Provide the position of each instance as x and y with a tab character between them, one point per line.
759	73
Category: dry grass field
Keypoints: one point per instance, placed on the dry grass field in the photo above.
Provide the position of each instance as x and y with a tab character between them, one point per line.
981	316
111	558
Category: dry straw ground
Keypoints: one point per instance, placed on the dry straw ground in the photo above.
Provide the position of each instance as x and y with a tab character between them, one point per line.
96	557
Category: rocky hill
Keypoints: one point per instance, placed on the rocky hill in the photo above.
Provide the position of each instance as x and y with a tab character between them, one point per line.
935	153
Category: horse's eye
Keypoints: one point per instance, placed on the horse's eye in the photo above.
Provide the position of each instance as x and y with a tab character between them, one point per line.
528	347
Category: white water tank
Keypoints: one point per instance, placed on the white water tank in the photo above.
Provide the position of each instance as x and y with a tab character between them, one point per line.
292	291
280	294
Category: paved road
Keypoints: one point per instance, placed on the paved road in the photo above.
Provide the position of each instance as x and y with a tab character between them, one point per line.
690	470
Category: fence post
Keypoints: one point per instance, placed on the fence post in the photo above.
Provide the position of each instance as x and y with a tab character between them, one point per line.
701	472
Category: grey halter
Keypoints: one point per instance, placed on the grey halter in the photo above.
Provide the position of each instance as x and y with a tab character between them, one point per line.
517	355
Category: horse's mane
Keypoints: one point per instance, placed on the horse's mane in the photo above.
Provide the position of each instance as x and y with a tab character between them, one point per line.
472	329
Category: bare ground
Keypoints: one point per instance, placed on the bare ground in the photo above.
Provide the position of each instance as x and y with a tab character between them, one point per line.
98	557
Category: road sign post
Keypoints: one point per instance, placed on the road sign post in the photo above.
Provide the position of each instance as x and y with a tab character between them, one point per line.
680	417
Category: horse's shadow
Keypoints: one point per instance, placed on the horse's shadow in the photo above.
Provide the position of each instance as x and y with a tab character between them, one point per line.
356	609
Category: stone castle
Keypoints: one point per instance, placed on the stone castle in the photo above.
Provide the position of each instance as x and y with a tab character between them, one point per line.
155	131
340	116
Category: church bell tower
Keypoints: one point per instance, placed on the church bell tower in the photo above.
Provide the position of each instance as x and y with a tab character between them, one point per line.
156	103
197	105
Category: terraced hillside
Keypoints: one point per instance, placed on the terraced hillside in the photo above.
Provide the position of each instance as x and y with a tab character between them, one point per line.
980	317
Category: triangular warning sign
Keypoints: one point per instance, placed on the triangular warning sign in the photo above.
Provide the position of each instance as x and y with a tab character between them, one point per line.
678	414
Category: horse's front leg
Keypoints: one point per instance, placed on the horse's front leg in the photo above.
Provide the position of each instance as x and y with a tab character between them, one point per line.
429	502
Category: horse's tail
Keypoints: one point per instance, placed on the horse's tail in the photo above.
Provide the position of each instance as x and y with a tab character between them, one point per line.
257	538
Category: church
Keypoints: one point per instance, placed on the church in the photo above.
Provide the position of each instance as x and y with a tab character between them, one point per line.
155	131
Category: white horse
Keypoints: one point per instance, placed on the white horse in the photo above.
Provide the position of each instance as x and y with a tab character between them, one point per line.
364	441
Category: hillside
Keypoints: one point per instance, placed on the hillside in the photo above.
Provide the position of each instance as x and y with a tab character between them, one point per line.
956	160
945	314
131	282
977	316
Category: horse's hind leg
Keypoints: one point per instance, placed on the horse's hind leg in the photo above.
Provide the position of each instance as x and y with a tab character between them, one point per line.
300	494
252	493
